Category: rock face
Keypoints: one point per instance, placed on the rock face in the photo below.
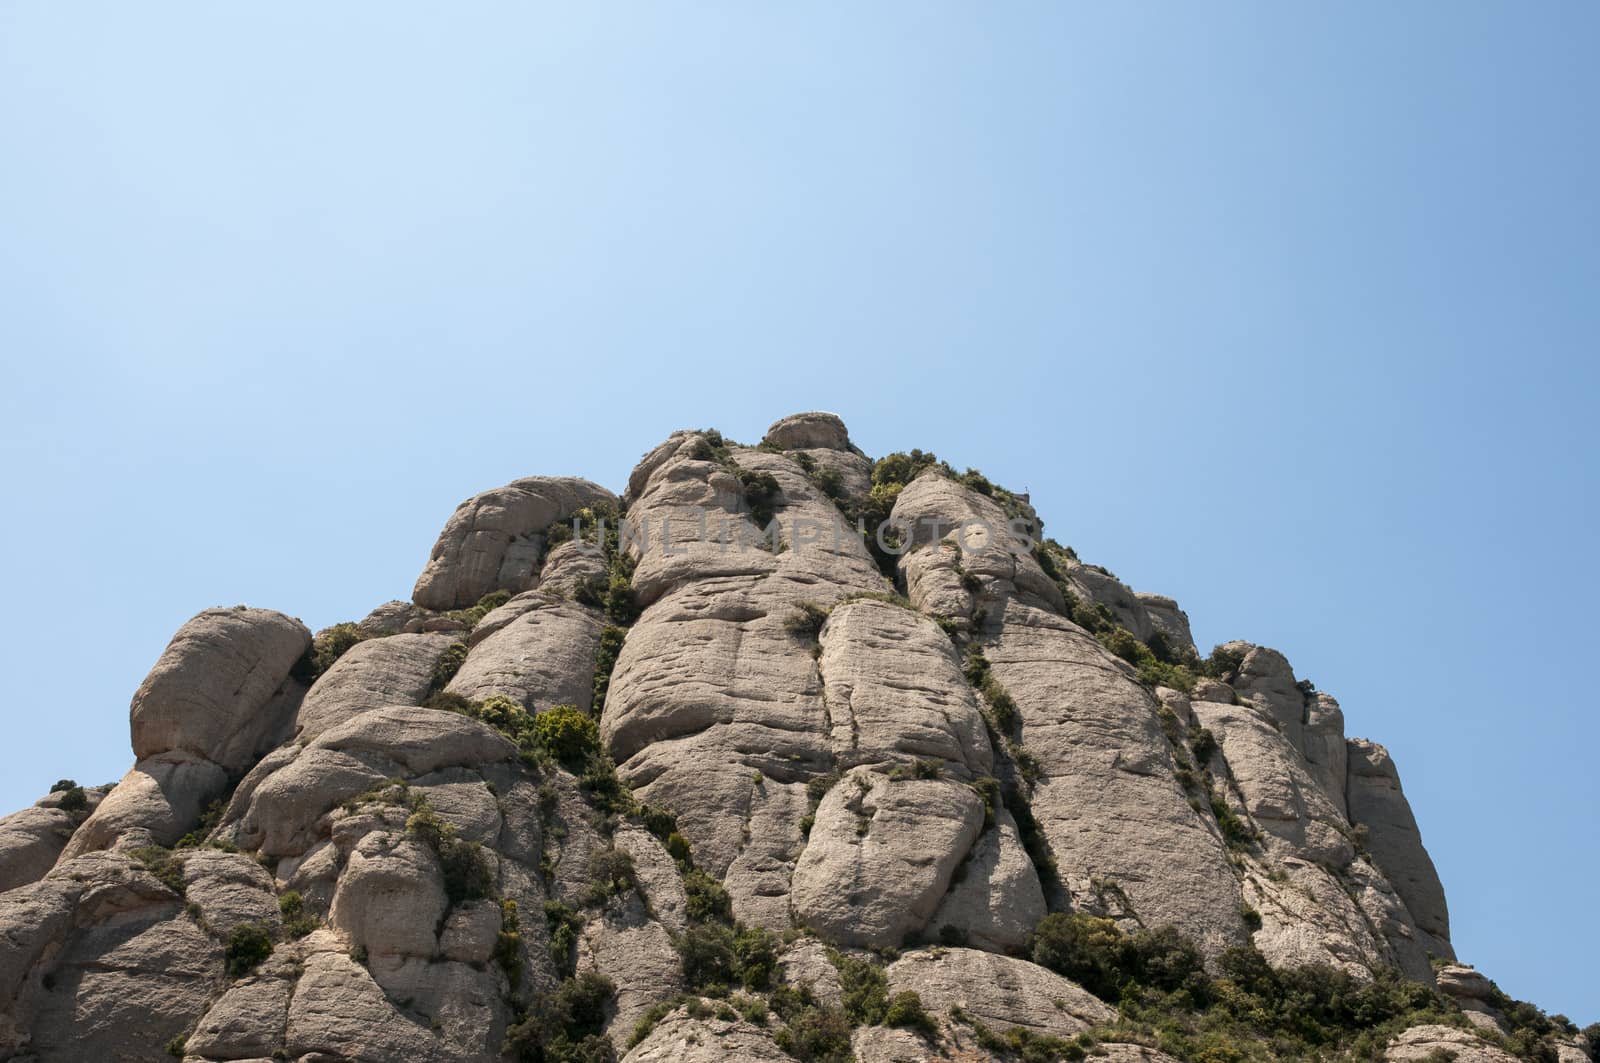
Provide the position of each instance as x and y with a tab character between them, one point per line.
536	827
494	540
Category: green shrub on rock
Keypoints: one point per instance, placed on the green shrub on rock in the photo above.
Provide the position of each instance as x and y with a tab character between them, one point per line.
568	734
247	946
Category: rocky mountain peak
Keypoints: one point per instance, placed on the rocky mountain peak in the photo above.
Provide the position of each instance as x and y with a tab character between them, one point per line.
781	753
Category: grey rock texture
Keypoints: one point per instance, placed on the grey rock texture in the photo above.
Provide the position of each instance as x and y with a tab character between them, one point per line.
1428	1042
494	540
1377	803
858	748
1109	803
680	1038
32	839
808	431
537	649
397	670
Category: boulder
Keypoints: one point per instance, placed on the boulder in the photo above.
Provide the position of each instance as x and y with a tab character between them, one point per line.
636	953
540	652
395	670
390	897
999	991
1428	1043
1279	793
893	690
881	855
339	1011
715	708
995	900
682	1038
495	540
218	690
419	740
807	431
30	842
160	799
1165	617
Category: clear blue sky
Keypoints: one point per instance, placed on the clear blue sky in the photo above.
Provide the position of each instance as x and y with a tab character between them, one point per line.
1289	311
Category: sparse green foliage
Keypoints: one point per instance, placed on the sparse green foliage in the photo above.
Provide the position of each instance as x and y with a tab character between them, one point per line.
568	734
610	875
450	662
73	799
708	901
805	621
866	990
472	614
1235	831
563	1025
905	1010
811	1032
247	946
467	873
563	925
508	945
333	643
761	494
605	662
296	923
1224	663
917	769
163	865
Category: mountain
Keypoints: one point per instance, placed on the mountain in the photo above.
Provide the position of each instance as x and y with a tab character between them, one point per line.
782	753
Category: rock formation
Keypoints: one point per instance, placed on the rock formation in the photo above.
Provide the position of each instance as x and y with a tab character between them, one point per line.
783	753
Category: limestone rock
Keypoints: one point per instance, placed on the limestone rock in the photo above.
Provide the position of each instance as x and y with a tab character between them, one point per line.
339	1011
637	954
419	740
1326	756
494	540
391	897
893	689
249	1020
1109	803
994	548
806	963
1427	1042
32	839
571	566
1095	584
229	890
715	708
881	855
542	657
1377	803
213	692
1167	618
1265	679
806	431
161	798
995	900
397	670
999	991
681	1038
1279	793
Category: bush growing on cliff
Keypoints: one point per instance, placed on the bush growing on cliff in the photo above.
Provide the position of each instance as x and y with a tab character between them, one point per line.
247	946
568	734
563	1025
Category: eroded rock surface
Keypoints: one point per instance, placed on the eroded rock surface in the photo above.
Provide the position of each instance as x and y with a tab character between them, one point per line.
858	770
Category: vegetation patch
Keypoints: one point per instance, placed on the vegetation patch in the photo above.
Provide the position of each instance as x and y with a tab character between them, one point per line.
563	1025
245	949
